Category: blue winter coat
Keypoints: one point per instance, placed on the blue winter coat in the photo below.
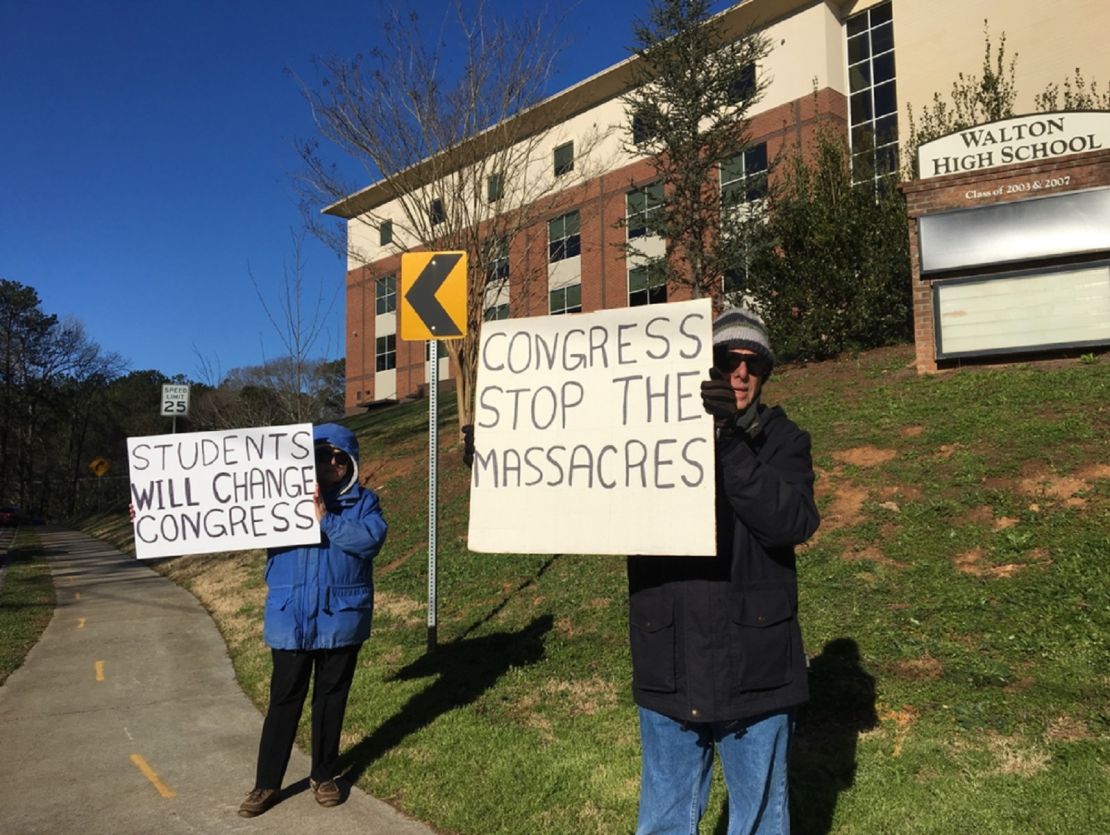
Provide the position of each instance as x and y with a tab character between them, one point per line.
322	596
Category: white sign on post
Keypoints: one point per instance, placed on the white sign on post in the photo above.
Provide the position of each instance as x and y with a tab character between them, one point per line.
175	400
199	492
590	436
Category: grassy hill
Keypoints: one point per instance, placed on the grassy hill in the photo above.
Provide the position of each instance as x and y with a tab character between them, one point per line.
955	605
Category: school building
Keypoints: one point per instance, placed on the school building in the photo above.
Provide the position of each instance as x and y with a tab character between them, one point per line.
856	64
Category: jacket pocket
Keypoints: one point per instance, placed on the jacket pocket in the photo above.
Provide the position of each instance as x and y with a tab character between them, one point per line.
279	622
278	598
347	615
652	641
350	598
762	627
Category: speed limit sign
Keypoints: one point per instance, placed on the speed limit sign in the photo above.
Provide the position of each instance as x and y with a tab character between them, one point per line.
175	400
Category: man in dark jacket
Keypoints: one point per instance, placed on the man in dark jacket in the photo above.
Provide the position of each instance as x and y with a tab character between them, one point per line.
717	657
318	613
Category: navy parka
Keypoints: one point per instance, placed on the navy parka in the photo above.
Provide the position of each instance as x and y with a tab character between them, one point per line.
717	638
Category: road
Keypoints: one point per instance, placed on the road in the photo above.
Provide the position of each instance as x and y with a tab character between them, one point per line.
126	717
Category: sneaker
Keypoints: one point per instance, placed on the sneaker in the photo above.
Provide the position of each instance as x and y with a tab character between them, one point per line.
257	802
327	792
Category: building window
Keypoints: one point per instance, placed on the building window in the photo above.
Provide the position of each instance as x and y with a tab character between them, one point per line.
385	352
495	312
643	127
643	209
565	300
497	261
564	159
873	100
436	214
744	176
646	285
495	187
385	294
562	237
442	349
743	86
385	233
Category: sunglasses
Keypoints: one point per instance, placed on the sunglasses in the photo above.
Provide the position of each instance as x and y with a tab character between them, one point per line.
729	361
327	456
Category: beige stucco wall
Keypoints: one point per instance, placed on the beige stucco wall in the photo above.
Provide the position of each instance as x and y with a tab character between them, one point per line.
935	40
807	50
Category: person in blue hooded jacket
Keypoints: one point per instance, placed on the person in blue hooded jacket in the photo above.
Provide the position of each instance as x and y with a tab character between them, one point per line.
318	611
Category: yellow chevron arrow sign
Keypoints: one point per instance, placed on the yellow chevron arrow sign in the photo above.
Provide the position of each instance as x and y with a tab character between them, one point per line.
433	295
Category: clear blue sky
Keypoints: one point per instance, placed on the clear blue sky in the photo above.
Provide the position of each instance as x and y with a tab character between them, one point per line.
146	155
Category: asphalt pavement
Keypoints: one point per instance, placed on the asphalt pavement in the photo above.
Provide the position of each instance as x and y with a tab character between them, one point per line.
126	717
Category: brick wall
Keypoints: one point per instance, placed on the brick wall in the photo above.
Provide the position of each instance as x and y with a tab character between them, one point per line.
984	188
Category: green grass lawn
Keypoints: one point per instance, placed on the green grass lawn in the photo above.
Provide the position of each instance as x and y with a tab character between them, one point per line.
26	601
955	605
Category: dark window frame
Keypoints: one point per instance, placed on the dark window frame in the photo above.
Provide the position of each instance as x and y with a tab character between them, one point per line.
495	186
437	214
560	243
385	294
743	176
385	352
642	205
563	158
654	285
567	306
873	95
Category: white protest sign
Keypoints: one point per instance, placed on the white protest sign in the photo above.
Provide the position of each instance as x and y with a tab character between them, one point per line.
590	436
199	492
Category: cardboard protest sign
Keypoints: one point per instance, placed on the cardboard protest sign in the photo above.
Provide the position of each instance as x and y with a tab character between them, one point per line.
590	436
199	492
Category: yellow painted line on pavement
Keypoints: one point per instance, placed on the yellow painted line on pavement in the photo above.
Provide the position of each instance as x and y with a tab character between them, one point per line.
77	595
100	671
148	772
80	623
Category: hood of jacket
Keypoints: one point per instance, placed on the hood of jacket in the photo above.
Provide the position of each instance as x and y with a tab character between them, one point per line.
340	437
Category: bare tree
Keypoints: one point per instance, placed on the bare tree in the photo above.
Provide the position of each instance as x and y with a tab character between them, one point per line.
300	327
462	157
688	111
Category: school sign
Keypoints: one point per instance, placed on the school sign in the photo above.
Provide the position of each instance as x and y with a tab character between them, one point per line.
1042	136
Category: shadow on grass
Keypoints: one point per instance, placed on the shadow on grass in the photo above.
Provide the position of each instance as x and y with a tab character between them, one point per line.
464	670
823	758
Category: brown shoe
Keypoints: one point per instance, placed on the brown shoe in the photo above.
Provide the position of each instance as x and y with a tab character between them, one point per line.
257	802
327	792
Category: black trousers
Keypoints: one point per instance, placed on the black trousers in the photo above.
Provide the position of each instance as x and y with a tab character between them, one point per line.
334	671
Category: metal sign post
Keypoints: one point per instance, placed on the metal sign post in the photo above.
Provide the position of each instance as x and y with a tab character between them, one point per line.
433	489
433	307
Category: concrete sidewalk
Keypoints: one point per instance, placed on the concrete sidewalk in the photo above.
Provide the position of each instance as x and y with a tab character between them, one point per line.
126	717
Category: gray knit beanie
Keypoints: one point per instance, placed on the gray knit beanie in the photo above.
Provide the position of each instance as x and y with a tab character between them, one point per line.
739	327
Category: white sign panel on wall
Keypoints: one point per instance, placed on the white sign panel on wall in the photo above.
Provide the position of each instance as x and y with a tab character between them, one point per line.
590	436
1035	138
200	492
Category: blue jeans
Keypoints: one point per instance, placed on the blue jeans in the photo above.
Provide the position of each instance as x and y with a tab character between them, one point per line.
678	767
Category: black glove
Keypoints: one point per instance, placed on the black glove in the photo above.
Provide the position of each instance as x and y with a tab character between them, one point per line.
717	396
719	400
468	444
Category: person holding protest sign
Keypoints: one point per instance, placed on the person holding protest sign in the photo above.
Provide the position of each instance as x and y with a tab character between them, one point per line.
318	614
717	656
